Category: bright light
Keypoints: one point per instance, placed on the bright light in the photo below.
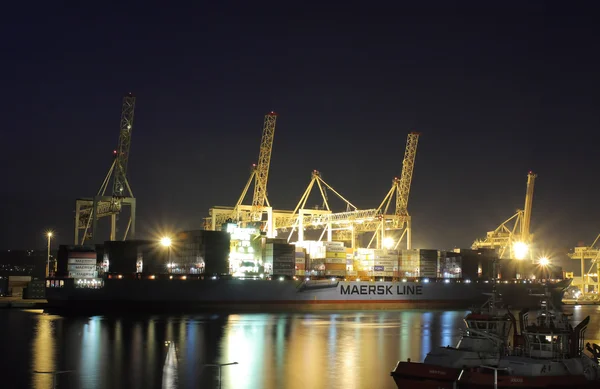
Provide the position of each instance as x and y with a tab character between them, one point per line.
520	250
49	234
166	241
388	243
544	261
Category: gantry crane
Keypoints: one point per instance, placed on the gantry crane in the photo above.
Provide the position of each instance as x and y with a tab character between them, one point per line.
89	210
592	253
259	175
324	218
513	242
401	219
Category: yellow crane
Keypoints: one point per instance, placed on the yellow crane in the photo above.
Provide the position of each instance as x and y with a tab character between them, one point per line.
400	219
259	175
513	241
592	253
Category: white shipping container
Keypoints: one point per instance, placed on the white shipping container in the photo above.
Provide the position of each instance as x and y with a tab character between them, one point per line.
76	268
386	257
386	263
383	274
335	272
365	251
81	261
351	272
333	244
301	260
83	274
335	260
335	249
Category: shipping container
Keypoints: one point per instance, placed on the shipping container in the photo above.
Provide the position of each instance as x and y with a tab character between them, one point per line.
76	268
335	254
335	260
82	274
335	266
336	273
35	290
333	244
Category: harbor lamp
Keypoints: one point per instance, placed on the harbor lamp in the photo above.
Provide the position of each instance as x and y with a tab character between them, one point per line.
49	235
166	242
520	250
388	243
219	365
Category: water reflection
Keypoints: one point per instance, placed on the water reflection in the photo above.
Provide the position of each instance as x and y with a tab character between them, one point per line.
296	351
44	359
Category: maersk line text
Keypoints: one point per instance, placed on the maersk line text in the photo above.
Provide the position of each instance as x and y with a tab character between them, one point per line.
382	289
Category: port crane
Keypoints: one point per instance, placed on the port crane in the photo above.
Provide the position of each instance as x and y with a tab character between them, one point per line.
400	220
321	218
592	253
512	238
89	210
259	174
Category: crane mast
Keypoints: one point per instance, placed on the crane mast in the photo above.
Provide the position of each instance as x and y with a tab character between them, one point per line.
262	168
89	210
408	166
120	183
528	205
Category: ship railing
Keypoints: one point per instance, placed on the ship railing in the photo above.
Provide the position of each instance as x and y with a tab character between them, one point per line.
473	333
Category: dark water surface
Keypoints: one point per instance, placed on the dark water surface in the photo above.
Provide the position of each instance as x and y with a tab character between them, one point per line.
297	351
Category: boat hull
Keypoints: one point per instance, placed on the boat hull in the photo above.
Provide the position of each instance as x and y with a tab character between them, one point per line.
471	380
424	376
267	295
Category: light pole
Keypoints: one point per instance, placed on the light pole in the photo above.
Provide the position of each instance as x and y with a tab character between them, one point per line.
220	365
54	374
49	235
166	242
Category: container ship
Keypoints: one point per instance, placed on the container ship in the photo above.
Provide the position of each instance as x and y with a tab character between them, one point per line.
210	270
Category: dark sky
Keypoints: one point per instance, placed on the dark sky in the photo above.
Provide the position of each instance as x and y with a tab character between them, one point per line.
495	88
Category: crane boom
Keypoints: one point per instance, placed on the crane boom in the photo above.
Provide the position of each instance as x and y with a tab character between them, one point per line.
120	184
262	168
408	165
528	205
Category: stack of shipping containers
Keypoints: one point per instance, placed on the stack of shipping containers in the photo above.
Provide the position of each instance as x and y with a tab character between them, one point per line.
282	257
300	258
478	264
335	259
385	263
428	263
77	261
409	264
363	263
449	265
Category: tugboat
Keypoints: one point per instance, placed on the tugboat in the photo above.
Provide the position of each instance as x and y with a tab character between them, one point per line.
551	356
484	342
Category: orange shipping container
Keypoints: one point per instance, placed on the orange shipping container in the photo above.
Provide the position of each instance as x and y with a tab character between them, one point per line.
335	266
299	266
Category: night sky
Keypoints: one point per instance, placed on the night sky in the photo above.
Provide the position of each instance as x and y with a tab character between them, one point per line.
496	91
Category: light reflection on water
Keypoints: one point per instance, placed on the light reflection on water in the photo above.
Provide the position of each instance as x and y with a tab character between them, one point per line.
297	351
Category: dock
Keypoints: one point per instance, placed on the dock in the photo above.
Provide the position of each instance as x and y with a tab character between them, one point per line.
20	303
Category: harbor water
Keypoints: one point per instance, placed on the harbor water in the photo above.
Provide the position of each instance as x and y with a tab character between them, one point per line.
297	351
